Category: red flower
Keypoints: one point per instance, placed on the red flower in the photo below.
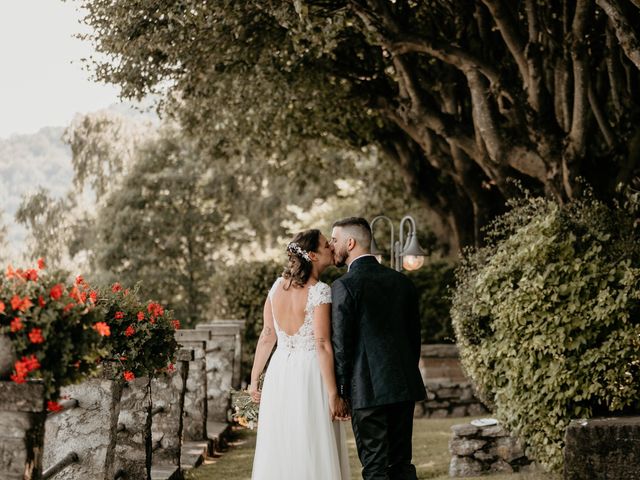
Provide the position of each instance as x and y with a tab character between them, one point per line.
41	301
10	273
56	291
16	325
155	310
31	363
79	280
20	367
129	331
15	302
176	324
21	304
53	406
116	287
2	307
93	295
140	316
102	328
119	315
31	274
171	368
128	376
17	378
35	335
75	293
68	307
126	292
83	297
41	264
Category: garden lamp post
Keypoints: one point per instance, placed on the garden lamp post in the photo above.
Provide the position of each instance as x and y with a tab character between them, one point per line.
405	253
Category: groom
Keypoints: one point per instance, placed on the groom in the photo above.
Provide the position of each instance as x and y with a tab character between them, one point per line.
376	343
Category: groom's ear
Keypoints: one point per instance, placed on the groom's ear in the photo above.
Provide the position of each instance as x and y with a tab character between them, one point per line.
351	244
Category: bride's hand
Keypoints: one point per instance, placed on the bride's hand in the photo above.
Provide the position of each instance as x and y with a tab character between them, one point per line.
338	408
254	392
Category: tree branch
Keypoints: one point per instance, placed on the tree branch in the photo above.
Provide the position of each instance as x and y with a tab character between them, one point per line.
626	35
576	144
599	115
507	26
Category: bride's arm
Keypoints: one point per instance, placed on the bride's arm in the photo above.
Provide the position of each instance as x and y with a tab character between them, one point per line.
264	347
324	348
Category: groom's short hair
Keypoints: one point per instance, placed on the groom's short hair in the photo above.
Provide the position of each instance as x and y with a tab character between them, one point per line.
358	229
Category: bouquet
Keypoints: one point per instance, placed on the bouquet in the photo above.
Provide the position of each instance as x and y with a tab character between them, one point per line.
245	410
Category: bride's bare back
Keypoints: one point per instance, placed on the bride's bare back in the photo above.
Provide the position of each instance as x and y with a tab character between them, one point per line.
288	306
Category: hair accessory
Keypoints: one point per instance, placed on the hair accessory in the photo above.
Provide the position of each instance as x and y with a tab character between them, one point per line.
293	247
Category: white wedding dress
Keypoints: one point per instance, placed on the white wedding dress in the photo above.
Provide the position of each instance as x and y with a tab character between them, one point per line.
296	438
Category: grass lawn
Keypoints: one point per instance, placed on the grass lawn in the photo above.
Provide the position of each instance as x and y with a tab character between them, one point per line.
430	454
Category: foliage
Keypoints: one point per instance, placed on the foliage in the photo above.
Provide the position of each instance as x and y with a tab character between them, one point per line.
54	327
242	290
461	96
433	281
161	226
547	317
142	340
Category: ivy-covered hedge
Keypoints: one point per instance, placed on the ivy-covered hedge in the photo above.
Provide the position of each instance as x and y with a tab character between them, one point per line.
242	290
547	318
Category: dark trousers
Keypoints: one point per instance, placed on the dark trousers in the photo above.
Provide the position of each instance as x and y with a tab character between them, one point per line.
383	437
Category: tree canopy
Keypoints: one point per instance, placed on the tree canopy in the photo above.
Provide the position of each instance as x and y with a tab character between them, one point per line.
462	96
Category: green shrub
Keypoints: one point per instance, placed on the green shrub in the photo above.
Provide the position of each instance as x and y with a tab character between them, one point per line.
547	318
433	281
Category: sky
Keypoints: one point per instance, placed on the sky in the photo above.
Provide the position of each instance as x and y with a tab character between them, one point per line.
42	80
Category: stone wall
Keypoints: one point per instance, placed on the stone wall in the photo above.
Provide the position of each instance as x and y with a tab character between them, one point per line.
22	424
87	430
449	393
607	448
223	359
477	450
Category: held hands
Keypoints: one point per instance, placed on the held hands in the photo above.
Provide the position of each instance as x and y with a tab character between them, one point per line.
339	408
254	392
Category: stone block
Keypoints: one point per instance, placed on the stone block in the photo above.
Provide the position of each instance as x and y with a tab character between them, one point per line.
187	335
493	431
465	446
459	411
464	430
508	448
439	413
89	430
602	448
500	466
464	467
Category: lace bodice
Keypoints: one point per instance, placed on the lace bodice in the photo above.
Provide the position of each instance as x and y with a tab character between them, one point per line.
303	339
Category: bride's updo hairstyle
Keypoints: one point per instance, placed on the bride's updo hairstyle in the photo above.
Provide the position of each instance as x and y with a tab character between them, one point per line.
299	267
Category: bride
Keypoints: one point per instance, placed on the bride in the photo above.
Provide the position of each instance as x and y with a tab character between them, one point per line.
299	432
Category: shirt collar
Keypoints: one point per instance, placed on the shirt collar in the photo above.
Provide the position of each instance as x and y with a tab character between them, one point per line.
361	256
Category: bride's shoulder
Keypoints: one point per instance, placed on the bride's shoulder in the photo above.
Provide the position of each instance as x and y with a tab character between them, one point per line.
321	292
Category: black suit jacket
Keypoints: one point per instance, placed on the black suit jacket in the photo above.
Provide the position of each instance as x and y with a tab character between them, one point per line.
376	335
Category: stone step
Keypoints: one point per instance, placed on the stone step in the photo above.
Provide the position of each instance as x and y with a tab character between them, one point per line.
165	472
193	454
217	433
